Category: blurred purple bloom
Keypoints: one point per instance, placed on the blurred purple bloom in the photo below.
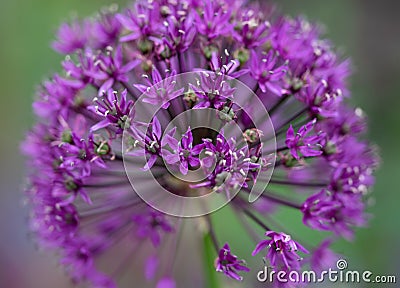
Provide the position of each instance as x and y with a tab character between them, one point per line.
149	144
323	257
282	250
106	30
166	282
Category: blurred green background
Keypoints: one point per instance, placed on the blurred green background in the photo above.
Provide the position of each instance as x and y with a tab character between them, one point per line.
366	31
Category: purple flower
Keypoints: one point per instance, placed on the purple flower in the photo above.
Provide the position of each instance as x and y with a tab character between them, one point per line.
268	74
166	282
282	250
85	72
334	212
49	213
227	167
71	37
152	225
229	264
323	258
250	29
176	36
82	155
106	30
303	145
212	91
237	58
101	70
115	111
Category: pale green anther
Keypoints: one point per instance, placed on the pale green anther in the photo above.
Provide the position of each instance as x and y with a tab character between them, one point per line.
226	114
318	100
238	26
166	53
153	147
290	161
190	98
165	10
345	129
56	163
66	136
252	135
208	50
297	84
123	122
267	46
211	95
254	159
79	101
131	143
147	65
249	35
70	185
186	153
222	177
145	46
103	149
161	91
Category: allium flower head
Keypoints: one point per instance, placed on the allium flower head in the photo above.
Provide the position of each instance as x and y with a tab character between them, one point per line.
168	110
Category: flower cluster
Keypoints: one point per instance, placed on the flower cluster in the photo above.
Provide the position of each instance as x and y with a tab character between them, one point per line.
82	201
